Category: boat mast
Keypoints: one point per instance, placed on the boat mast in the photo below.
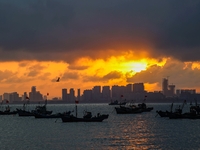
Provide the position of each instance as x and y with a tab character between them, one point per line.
76	110
76	102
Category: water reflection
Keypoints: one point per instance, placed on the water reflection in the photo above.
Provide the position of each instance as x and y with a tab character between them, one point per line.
132	132
118	132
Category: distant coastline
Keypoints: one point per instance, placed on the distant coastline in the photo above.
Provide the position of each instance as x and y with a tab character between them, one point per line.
165	100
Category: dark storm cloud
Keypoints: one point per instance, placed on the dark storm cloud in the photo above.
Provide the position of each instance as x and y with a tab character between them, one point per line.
75	67
35	70
11	77
107	77
113	75
179	74
5	74
45	30
70	75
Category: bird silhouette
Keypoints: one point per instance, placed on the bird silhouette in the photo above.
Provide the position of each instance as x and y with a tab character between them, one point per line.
58	80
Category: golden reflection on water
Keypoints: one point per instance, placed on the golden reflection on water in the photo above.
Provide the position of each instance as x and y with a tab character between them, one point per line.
134	134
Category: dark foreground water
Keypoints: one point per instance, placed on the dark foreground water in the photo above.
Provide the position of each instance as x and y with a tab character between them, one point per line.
118	132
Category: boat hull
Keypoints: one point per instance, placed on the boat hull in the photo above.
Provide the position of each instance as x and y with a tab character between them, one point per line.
8	113
126	110
163	113
24	113
75	119
48	116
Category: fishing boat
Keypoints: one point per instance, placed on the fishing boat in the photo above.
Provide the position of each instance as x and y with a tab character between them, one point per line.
116	102
167	113
87	117
192	114
24	112
133	109
163	113
128	109
37	115
57	115
144	107
42	109
7	110
177	114
38	110
195	108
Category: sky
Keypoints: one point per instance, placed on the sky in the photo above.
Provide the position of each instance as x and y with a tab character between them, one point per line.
90	43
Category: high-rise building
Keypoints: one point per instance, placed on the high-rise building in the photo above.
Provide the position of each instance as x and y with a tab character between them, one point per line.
183	91
171	91
165	86
35	95
6	96
71	95
87	95
187	94
96	93
13	97
64	94
79	95
115	92
106	92
32	94
25	96
118	92
129	88
39	96
138	87
33	89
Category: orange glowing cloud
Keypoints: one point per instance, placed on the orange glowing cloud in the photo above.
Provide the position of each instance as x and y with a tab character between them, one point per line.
84	73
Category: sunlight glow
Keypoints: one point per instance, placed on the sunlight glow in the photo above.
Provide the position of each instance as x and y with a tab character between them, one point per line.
196	65
139	66
87	72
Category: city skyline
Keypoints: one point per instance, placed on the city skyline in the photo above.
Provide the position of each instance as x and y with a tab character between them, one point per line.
80	91
69	60
98	43
135	91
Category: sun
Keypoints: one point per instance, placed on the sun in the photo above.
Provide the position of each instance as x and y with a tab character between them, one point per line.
134	66
139	66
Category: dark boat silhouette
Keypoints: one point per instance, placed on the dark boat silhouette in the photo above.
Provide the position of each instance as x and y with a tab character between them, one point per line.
23	113
163	113
41	110
194	113
87	117
133	109
177	113
38	110
144	107
7	110
116	102
129	109
167	113
57	115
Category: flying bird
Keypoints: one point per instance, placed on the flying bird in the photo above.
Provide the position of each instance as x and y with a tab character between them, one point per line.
58	79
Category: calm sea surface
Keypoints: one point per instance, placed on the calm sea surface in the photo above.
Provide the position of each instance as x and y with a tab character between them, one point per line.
118	132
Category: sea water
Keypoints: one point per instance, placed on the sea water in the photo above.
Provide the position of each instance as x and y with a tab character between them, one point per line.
119	132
